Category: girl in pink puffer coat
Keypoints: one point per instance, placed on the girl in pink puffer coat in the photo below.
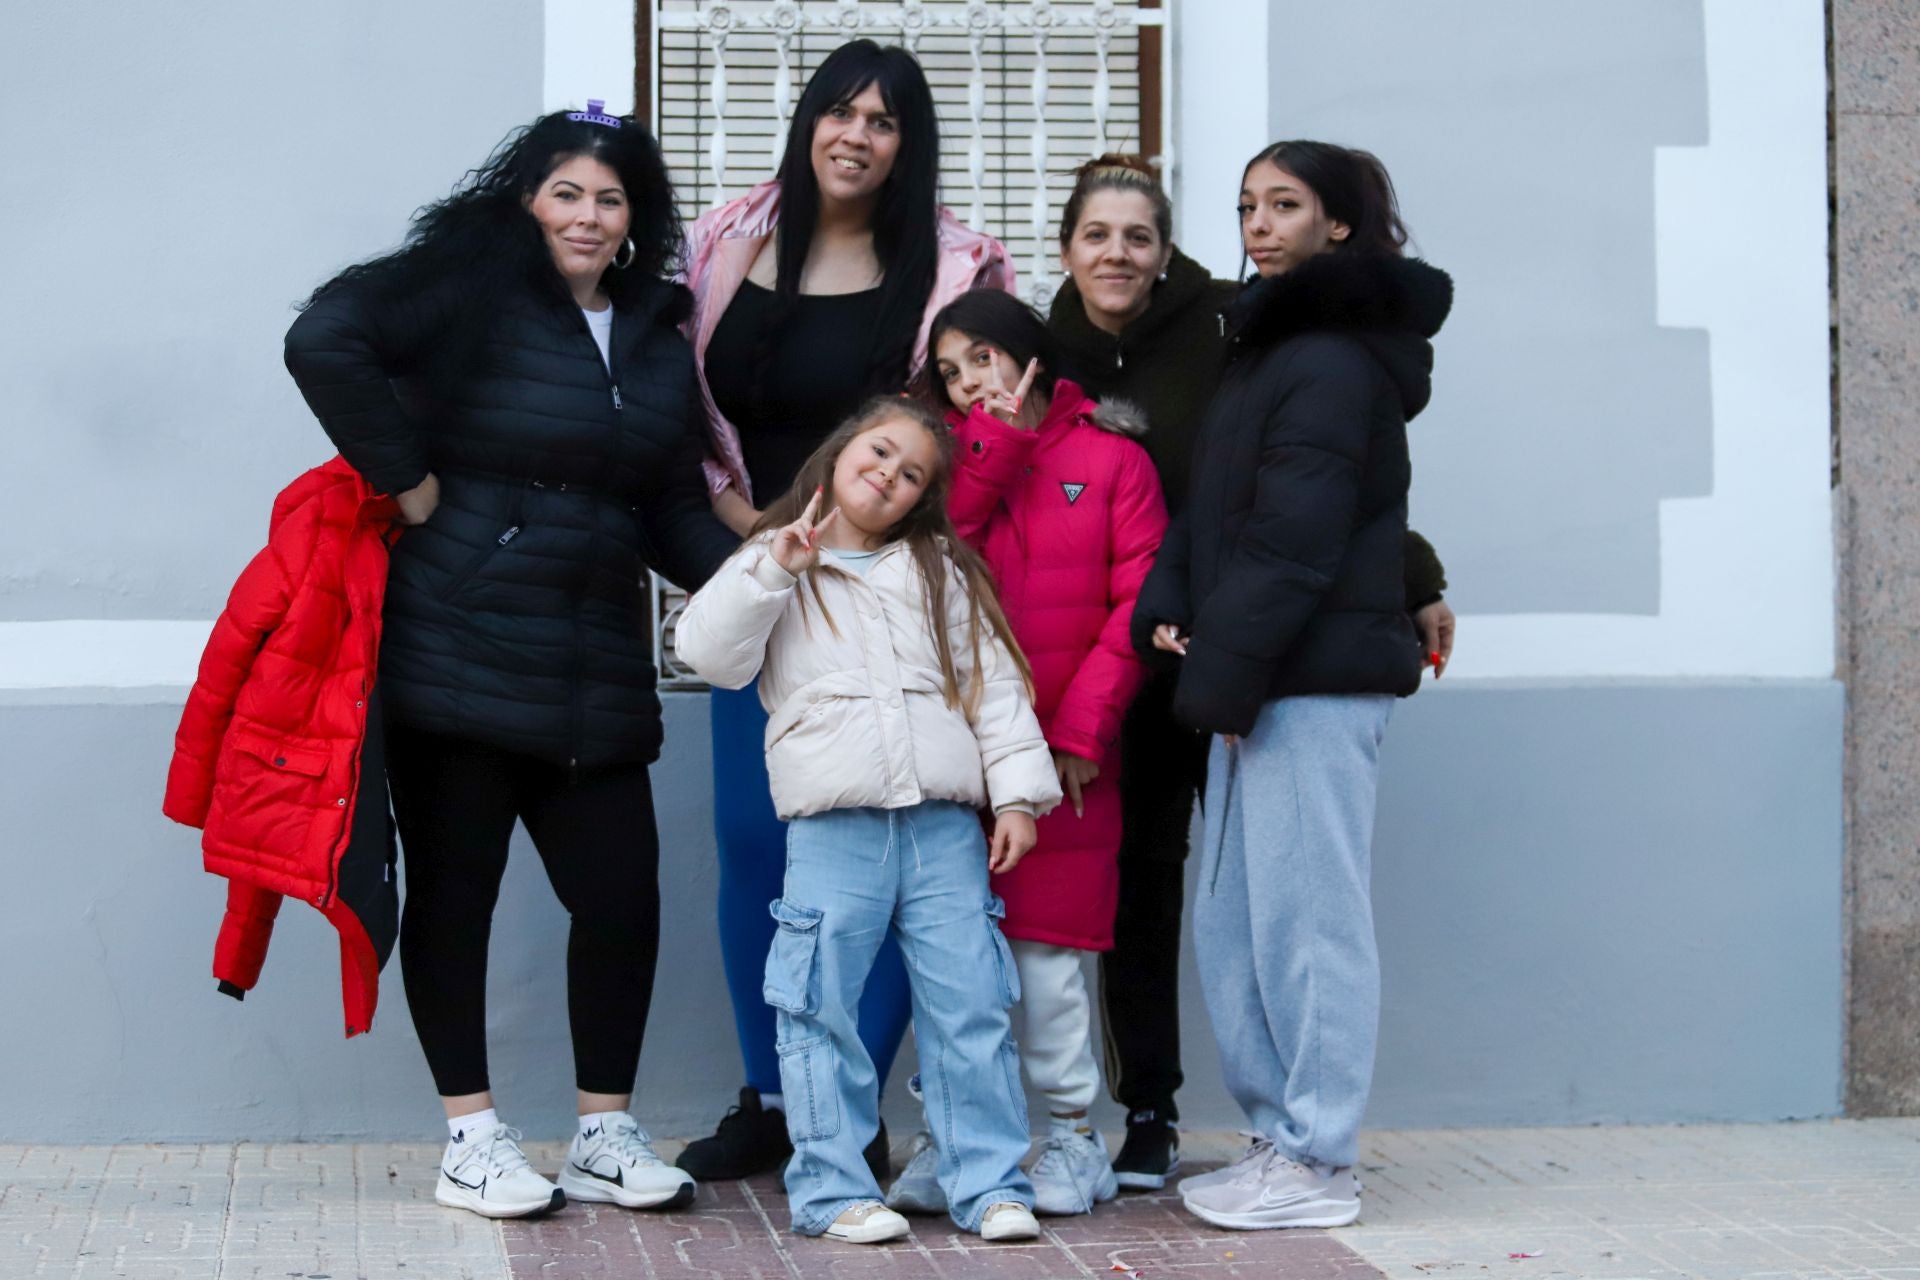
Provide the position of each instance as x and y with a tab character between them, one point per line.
1066	508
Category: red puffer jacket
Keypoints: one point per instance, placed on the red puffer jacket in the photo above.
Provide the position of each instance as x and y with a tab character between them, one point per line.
1068	517
268	759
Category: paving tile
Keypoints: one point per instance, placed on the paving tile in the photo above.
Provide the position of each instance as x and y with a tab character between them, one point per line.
738	1229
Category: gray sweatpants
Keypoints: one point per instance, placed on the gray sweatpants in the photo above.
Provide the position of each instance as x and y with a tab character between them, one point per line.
1283	928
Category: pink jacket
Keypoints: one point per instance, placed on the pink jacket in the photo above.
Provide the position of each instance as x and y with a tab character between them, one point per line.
721	248
1069	518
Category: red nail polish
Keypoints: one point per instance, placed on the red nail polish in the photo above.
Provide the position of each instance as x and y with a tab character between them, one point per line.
1433	659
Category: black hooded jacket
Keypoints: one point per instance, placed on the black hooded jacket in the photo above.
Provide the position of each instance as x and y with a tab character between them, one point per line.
1288	564
1167	360
515	616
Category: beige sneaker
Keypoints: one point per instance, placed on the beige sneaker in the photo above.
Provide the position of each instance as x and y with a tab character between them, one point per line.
868	1222
1008	1220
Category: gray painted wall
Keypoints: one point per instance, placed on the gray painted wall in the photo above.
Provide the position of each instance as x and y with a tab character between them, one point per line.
1521	137
177	176
1613	902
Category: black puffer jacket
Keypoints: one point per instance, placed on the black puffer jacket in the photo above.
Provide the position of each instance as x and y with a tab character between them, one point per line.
515	616
1288	563
1168	361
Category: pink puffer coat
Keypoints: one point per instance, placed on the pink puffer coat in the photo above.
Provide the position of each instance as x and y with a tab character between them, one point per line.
1068	518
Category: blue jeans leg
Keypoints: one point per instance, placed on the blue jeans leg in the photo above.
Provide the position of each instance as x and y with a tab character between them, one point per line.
753	858
964	982
1284	922
837	908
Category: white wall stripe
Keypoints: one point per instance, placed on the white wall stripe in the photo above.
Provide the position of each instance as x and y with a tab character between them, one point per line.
1746	573
93	653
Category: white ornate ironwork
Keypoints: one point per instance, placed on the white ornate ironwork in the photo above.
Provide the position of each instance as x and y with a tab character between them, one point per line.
719	25
911	21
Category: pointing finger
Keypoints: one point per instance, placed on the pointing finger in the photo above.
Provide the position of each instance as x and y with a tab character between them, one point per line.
813	505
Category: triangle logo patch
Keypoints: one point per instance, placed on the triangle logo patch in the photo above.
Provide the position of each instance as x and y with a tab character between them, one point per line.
1073	491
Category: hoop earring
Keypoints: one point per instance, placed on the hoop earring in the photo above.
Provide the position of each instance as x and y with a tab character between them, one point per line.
626	247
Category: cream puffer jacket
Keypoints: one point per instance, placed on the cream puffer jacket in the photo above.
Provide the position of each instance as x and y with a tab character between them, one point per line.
859	718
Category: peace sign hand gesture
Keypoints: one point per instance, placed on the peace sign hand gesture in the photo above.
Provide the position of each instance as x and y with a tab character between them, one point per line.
796	547
1004	404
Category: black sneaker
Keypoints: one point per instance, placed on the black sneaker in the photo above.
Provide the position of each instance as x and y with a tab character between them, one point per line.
880	1157
751	1139
1151	1153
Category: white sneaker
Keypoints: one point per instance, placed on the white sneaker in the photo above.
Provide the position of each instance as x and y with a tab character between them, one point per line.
917	1189
1277	1192
1072	1174
868	1222
614	1163
1008	1220
1253	1155
485	1171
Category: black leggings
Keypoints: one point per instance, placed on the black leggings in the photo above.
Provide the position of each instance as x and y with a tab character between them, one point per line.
455	802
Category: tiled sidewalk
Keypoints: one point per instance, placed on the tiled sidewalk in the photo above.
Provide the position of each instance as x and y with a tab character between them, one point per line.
1827	1199
737	1229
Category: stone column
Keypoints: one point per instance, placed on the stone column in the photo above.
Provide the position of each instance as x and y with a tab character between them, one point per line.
1876	168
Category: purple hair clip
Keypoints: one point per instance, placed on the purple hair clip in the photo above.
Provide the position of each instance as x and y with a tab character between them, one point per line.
595	113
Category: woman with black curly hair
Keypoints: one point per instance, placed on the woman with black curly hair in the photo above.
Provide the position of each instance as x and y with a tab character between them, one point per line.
515	376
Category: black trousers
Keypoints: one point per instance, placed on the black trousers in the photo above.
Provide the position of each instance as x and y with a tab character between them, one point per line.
1162	766
456	803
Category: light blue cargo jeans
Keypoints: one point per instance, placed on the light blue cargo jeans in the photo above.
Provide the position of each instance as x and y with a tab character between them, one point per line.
853	876
1283	922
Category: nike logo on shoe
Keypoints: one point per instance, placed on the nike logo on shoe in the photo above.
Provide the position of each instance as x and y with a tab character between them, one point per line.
480	1186
1286	1199
618	1179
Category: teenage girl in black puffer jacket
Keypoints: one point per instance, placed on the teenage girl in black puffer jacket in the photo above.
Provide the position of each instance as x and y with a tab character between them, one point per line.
1280	594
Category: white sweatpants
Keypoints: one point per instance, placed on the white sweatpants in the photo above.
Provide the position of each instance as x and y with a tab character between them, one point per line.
1054	1025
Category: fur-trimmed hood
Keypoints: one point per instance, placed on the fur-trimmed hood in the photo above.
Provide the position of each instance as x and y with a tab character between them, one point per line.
1122	417
1393	305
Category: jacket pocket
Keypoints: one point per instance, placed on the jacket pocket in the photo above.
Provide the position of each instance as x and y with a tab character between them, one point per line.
476	562
282	757
793	981
1007	972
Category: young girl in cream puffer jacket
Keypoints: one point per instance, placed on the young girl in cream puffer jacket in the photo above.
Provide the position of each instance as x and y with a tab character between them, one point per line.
900	707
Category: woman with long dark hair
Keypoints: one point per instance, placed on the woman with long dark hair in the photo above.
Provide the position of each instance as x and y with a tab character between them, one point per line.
1280	596
515	375
812	293
1138	319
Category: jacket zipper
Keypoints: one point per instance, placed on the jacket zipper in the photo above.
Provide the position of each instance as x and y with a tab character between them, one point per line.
574	675
348	809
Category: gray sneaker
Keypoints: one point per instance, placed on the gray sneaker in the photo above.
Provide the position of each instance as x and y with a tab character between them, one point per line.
1074	1173
917	1189
1273	1191
1227	1172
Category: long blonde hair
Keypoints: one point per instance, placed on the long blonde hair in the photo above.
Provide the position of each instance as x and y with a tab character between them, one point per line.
929	534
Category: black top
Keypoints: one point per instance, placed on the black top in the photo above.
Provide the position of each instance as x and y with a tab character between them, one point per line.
1288	564
788	393
515	615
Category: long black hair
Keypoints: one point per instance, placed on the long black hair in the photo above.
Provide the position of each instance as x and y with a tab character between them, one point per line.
999	319
480	241
905	217
1353	187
